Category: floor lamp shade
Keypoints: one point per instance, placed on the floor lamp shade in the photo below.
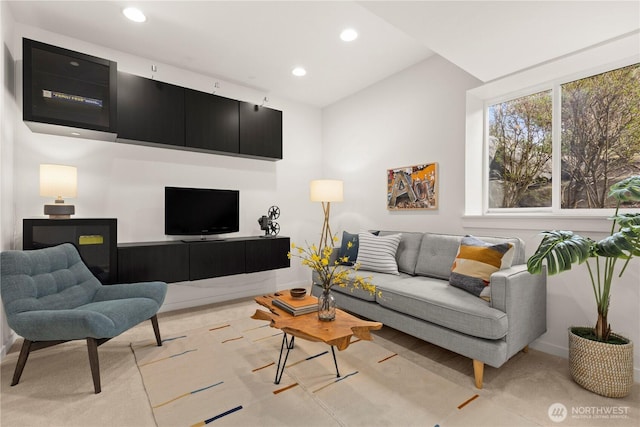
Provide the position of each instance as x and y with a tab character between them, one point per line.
60	182
326	191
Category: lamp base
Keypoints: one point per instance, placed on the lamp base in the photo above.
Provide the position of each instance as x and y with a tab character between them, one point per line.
59	211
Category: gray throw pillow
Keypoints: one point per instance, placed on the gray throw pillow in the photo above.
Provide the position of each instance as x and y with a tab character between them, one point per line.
378	253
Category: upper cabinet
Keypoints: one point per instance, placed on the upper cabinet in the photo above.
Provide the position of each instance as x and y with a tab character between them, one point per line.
150	111
68	93
212	122
73	94
260	131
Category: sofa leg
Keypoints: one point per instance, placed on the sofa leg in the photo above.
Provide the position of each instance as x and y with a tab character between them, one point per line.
478	372
92	346
156	330
525	349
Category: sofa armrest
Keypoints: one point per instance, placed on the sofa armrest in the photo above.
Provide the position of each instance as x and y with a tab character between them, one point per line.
523	296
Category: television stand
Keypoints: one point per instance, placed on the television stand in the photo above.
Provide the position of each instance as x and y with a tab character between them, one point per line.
186	260
203	239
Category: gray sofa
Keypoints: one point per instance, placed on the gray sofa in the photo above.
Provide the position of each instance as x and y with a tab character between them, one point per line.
420	301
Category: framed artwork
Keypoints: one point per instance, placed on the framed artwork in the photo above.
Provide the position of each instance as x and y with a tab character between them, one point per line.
413	187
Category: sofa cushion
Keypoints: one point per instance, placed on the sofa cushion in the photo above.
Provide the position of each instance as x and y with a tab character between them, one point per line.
378	253
435	301
437	252
476	261
407	253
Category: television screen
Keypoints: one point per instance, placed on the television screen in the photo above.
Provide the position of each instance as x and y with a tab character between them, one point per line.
200	211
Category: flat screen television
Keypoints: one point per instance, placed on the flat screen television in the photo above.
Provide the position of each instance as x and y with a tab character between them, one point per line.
200	211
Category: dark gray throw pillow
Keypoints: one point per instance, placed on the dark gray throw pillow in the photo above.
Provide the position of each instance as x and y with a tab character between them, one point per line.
351	252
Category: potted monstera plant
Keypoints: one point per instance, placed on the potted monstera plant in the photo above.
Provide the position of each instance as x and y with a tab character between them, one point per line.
599	360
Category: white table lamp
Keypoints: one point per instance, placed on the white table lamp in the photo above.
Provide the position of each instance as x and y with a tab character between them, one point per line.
60	182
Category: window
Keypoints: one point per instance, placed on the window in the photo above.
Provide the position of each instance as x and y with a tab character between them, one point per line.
519	149
598	143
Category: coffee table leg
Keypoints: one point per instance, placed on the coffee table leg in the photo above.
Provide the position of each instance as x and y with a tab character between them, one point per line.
335	361
289	345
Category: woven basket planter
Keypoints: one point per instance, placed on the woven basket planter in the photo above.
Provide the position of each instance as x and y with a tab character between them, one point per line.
605	369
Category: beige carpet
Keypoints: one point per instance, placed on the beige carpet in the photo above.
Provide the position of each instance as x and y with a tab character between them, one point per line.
422	385
225	373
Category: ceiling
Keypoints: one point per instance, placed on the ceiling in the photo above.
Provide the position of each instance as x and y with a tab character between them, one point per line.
258	43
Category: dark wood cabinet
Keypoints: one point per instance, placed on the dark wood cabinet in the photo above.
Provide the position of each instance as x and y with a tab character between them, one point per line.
150	111
260	131
216	258
267	254
163	261
212	122
177	260
74	94
68	93
95	239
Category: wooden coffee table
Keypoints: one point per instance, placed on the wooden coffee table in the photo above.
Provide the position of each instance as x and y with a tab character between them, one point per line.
336	333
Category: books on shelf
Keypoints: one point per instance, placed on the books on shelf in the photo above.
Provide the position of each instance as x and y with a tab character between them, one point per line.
296	307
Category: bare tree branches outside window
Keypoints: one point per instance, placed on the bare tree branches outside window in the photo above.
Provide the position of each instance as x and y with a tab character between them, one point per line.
600	136
600	143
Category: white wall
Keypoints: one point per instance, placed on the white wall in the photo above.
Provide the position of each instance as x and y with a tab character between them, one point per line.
8	115
416	116
127	181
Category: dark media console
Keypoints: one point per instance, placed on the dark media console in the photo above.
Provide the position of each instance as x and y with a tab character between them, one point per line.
177	261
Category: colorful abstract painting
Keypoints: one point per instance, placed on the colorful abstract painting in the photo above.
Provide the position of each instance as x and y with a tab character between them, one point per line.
413	187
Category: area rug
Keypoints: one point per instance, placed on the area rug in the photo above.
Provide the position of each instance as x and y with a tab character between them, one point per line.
224	375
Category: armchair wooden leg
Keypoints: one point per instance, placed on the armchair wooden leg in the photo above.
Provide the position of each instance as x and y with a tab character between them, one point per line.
22	360
478	372
92	346
156	329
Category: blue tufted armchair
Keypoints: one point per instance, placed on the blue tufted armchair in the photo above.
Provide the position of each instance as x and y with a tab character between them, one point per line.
51	297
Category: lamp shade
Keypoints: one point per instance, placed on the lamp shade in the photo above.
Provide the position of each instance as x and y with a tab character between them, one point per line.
58	181
326	190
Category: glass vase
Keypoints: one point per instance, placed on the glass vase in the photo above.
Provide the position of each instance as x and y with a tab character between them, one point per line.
326	306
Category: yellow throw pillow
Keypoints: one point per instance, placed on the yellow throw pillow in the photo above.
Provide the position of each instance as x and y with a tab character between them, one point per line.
476	261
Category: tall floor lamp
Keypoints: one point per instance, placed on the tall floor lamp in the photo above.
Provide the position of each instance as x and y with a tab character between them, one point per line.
326	191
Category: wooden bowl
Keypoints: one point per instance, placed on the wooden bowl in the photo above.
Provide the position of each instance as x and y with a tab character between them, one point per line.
298	293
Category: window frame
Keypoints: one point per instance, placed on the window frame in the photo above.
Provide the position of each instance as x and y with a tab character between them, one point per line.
605	57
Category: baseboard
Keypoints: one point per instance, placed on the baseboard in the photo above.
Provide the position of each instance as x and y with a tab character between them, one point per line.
563	352
182	296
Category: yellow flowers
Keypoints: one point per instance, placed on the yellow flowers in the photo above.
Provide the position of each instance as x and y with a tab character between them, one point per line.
329	267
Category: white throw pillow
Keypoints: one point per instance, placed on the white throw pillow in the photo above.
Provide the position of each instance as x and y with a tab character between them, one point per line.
378	253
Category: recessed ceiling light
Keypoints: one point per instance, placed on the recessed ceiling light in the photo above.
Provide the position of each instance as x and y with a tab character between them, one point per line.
299	72
134	14
349	35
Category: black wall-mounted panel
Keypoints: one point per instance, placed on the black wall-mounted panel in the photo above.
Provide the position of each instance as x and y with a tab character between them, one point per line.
95	239
166	262
212	122
267	254
150	111
215	258
260	131
68	88
177	260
